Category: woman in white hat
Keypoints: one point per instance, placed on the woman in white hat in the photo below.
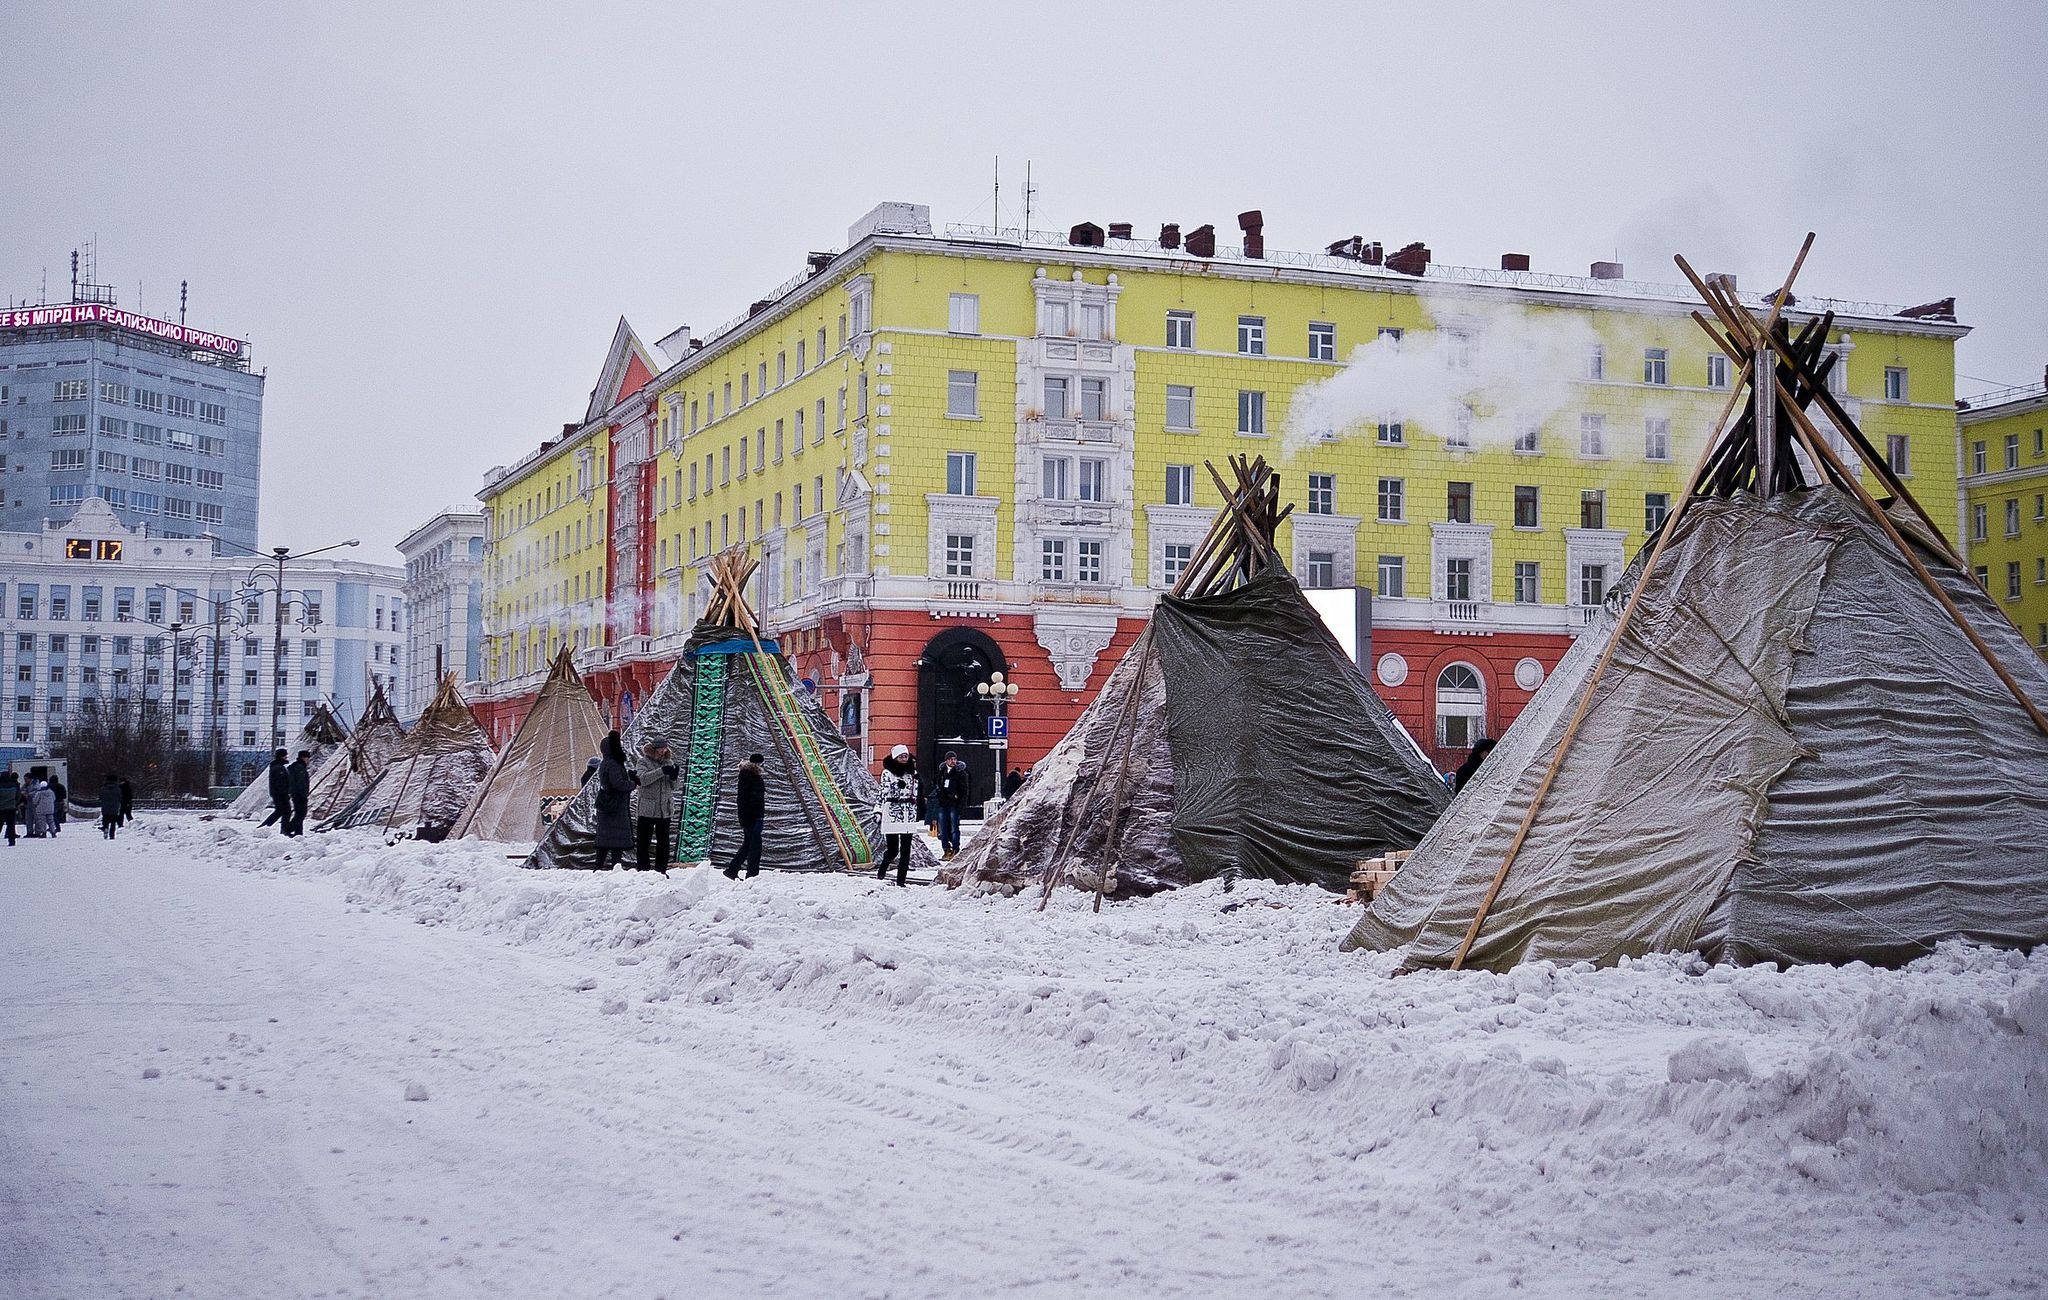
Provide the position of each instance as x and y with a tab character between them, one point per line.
899	812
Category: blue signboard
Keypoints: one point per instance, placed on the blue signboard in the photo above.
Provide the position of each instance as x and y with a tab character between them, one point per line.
998	728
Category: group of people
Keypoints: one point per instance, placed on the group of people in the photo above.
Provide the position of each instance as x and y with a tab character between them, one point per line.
35	809
636	801
291	784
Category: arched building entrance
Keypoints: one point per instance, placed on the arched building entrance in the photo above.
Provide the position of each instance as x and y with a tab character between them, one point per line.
950	716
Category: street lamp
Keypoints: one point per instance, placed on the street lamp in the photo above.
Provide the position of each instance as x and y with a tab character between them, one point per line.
998	691
184	635
278	557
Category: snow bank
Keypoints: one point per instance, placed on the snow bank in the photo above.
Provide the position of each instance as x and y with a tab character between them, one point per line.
1562	1092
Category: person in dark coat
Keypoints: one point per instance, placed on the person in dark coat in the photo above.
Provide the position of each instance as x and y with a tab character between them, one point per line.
1470	767
280	793
1013	781
300	783
59	797
750	794
110	805
12	805
949	792
127	800
615	782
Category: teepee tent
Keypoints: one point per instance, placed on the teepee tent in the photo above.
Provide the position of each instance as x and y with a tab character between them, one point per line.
323	736
732	694
542	766
432	775
1236	738
348	771
1804	734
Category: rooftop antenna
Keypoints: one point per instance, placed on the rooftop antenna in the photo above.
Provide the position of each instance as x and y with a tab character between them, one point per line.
999	194
1030	197
181	301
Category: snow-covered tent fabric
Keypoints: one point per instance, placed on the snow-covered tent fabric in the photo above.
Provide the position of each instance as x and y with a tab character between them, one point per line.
542	766
348	771
1235	738
1787	748
726	698
322	737
431	777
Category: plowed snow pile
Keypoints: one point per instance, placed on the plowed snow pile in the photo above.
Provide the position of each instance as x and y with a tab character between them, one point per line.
1665	1128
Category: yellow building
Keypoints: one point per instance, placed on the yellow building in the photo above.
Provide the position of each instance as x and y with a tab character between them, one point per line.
2005	503
974	450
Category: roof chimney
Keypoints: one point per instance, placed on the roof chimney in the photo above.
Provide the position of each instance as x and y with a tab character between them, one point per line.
1514	261
1941	309
1119	230
1372	254
758	306
1202	241
1351	248
1606	270
1724	279
1411	259
1169	235
1253	224
1085	235
817	262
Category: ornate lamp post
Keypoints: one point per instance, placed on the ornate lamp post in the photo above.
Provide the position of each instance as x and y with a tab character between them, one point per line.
273	576
998	691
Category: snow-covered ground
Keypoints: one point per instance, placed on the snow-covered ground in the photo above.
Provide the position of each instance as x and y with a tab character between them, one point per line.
806	1086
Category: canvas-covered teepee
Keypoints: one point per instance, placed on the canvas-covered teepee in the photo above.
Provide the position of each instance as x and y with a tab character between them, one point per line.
732	694
542	766
1802	733
322	737
431	776
348	771
1236	738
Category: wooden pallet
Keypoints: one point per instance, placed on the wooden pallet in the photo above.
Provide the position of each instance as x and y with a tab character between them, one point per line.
1371	875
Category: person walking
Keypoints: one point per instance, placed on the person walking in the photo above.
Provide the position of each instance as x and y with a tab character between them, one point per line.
10	803
899	813
59	797
280	794
750	796
299	785
615	784
949	793
127	800
653	806
110	805
42	812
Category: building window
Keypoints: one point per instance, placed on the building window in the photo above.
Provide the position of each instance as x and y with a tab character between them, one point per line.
69	390
959	555
1180	407
1980	523
1717	370
960	473
963	393
1529	440
1088	561
1656	366
2039	443
1094	482
2012	580
1528	508
2012	517
1180	485
1056	397
1322	569
1898	454
1460	707
1251	412
1392	434
1251	335
1322	341
1180	329
1460	436
2040	506
1094	399
1592	584
1458	503
1322	494
963	316
1656	508
1390	501
1592	434
1056	478
2012	451
1983	576
1174	560
1978	463
1458	580
1656	439
1528	582
1593	508
1052	559
1895	384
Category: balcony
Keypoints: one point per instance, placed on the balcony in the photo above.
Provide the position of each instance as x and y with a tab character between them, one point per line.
1074	593
1467	617
961	588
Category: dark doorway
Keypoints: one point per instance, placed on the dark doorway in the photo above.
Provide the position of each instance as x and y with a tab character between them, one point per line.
950	715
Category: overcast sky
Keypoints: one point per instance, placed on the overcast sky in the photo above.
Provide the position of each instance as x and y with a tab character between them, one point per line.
428	218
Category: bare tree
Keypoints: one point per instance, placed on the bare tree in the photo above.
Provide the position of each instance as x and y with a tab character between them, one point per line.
131	737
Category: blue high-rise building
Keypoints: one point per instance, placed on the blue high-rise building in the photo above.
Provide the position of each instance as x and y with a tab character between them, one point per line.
161	421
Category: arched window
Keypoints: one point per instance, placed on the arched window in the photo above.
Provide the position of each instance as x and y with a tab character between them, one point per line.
1460	707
